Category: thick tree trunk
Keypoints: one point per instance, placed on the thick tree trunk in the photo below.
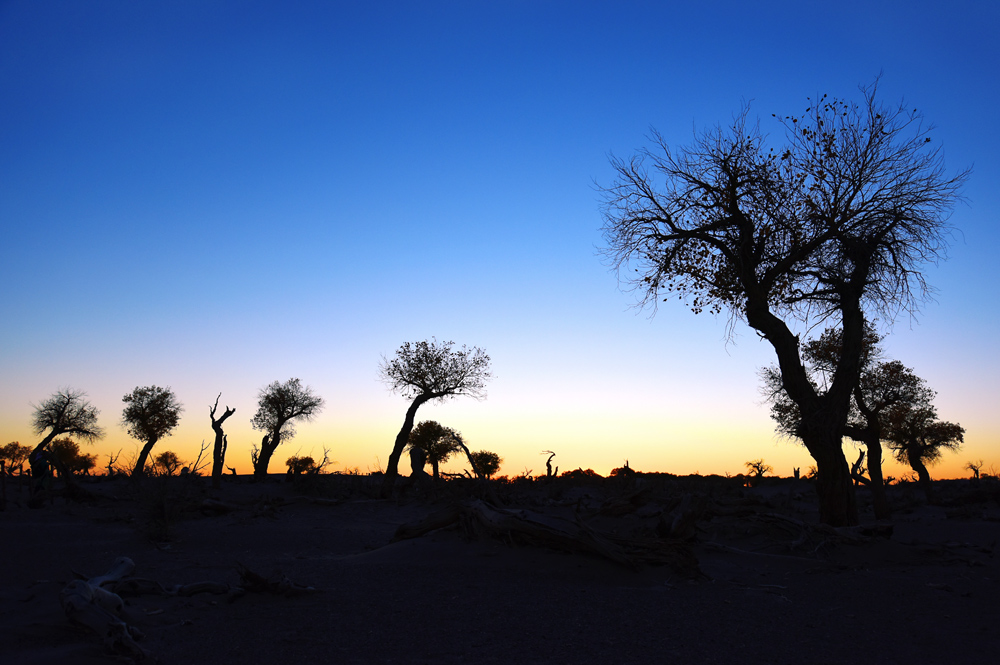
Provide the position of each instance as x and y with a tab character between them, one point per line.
823	416
880	502
140	464
219	458
392	466
267	448
835	488
923	474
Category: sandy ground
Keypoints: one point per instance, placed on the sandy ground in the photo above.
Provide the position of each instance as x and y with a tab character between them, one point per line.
769	591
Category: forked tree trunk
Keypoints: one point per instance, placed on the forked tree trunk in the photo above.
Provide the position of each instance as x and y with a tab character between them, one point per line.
221	443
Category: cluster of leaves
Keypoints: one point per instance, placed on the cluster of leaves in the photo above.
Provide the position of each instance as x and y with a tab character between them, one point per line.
280	403
436	370
150	413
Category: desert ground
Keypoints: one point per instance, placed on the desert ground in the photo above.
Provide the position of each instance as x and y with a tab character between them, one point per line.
646	569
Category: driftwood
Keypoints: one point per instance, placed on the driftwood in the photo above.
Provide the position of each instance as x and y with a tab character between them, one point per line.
88	603
525	527
97	602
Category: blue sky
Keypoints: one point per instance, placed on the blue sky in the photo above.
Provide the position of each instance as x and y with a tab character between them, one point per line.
216	195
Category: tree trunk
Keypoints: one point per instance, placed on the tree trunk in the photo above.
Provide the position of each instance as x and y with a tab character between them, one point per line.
823	416
834	486
923	474
392	466
140	464
221	443
267	448
880	502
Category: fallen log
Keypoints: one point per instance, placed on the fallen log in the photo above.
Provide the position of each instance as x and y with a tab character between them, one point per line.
539	530
87	603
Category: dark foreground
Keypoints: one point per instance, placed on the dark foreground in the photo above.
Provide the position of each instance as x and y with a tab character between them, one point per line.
770	587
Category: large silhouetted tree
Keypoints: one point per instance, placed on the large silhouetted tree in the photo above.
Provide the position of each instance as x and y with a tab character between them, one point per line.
221	441
837	221
150	414
426	371
278	406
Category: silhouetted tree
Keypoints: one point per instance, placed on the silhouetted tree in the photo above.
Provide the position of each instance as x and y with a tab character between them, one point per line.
549	473
221	441
69	459
974	467
65	412
916	437
437	441
150	414
299	465
167	462
836	222
758	468
279	405
426	371
487	462
307	465
14	455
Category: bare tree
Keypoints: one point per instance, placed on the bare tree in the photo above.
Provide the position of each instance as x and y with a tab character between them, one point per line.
221	441
150	414
278	406
975	468
426	371
549	473
836	222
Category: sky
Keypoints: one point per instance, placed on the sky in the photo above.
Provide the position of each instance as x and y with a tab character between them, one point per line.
215	195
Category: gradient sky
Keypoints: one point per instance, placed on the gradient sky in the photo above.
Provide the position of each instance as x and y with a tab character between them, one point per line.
215	195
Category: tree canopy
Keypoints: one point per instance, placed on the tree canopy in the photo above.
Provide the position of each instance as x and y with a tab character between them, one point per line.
66	411
436	370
